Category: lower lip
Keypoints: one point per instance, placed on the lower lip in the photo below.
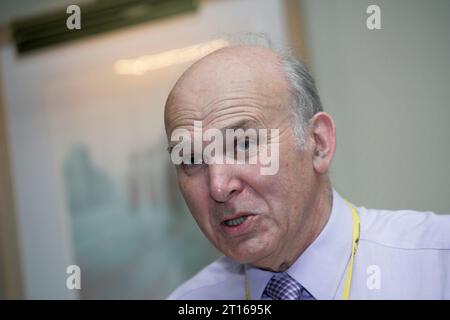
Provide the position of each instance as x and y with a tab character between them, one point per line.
243	228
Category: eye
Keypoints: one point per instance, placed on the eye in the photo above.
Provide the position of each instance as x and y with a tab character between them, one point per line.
192	159
245	144
191	163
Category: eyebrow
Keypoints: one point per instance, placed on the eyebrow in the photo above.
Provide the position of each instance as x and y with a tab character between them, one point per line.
241	124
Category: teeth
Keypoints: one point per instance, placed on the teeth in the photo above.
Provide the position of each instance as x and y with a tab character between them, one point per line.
235	222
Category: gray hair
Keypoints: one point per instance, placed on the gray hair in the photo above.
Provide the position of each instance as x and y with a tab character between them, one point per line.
305	100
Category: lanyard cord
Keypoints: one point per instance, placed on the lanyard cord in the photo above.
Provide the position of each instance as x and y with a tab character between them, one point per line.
348	277
355	241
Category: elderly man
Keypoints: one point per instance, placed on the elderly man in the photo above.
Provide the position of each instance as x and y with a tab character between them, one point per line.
290	235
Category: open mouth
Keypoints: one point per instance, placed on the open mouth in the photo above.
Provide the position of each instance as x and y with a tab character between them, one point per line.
235	222
240	225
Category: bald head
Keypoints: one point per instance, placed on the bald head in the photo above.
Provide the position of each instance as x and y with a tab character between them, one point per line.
237	76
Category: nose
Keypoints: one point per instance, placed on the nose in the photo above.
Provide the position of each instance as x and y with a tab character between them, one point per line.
223	182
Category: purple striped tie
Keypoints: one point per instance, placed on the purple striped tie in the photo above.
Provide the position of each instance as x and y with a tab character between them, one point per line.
283	287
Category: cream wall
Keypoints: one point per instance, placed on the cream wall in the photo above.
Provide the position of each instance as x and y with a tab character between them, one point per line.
388	91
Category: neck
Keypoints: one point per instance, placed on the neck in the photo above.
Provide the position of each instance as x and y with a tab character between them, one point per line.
315	218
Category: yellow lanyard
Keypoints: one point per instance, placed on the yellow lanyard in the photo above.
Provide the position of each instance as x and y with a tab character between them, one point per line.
348	277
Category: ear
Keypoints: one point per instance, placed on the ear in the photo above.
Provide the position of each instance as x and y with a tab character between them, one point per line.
323	133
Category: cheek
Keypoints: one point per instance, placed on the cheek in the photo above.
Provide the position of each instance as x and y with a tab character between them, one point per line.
191	190
271	197
196	197
284	192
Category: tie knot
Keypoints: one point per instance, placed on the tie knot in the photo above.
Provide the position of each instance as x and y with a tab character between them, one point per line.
283	287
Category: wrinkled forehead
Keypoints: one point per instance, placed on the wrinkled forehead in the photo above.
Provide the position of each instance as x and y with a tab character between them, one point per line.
233	83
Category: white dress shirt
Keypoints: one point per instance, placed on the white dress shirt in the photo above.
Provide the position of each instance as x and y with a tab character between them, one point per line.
401	255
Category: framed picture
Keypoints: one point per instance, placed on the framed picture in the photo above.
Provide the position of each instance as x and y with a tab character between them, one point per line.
92	180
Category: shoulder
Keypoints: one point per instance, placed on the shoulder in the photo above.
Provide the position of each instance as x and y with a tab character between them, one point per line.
405	229
219	273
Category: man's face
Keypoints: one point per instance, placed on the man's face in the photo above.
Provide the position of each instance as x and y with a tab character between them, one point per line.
245	88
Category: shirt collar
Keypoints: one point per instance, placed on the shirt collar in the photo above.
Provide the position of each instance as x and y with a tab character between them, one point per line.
321	266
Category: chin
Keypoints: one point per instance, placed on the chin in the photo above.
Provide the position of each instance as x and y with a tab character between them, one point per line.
244	253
